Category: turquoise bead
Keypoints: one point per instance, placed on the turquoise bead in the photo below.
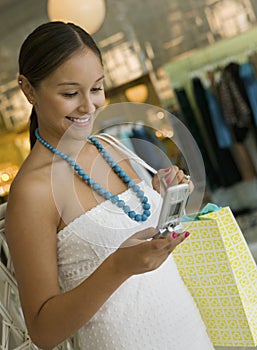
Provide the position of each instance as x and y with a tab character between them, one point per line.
144	217
85	177
126	179
81	172
96	186
101	191
126	209
131	214
140	194
117	168
136	188
108	195
138	217
114	199
145	200
120	203
90	181
122	173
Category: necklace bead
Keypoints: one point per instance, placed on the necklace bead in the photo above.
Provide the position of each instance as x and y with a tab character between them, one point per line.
97	187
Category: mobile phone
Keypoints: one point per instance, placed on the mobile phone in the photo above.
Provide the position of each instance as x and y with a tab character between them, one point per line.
173	208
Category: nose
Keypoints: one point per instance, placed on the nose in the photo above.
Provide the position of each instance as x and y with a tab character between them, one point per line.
86	105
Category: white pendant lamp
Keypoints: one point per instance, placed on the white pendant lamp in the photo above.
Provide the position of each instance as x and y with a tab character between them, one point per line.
88	14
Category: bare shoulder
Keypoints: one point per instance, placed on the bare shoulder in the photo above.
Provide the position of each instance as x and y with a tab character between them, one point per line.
30	184
30	201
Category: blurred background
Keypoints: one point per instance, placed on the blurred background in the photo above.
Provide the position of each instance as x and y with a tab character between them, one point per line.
196	59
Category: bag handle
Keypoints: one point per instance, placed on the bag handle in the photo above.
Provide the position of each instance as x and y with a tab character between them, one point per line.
122	148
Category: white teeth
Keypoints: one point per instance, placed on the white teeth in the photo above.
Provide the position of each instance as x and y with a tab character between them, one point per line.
80	120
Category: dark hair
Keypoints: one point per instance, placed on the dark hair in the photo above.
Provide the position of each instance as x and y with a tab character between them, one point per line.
46	48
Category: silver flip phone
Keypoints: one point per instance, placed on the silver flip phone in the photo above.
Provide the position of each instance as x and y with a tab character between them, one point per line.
173	207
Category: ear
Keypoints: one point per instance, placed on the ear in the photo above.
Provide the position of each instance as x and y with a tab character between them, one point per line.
27	88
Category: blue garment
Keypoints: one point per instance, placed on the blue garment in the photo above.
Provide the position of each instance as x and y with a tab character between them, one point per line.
220	126
149	148
247	75
208	208
125	138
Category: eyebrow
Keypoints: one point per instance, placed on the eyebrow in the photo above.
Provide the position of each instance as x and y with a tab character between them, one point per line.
74	83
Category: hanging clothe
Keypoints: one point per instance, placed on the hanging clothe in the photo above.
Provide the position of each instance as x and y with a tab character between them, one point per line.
234	102
249	79
228	169
237	109
252	58
213	177
222	132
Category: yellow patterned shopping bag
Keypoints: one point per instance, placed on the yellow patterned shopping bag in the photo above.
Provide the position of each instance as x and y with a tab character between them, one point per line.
220	272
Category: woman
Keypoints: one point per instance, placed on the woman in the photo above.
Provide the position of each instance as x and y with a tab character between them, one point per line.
64	219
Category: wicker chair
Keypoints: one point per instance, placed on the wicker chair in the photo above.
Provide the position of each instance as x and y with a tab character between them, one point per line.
13	332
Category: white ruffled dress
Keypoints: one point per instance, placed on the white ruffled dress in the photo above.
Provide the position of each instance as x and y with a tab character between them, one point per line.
151	311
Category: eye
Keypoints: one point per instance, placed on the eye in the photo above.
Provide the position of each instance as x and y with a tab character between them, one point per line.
70	94
97	89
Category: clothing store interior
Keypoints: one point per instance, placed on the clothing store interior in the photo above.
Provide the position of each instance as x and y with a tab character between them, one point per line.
195	61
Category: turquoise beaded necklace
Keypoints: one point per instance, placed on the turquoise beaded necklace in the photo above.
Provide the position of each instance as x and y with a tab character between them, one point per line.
96	186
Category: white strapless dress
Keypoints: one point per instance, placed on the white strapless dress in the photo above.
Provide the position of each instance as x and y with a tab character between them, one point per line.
151	311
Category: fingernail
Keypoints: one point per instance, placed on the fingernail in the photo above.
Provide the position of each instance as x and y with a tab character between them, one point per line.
168	181
167	170
187	234
174	235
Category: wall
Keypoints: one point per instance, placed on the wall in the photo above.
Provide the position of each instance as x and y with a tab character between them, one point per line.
181	69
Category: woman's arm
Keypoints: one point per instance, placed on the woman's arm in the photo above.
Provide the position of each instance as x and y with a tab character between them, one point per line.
52	316
31	227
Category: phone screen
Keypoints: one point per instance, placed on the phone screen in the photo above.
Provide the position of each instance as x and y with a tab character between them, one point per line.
174	209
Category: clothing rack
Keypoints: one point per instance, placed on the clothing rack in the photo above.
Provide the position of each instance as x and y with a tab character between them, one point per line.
239	57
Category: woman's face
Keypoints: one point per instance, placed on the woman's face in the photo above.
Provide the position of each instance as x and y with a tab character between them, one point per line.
70	95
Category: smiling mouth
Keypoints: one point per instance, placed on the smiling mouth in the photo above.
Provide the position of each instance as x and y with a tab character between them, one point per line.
79	120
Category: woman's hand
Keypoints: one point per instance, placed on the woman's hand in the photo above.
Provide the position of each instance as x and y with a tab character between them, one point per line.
140	253
170	177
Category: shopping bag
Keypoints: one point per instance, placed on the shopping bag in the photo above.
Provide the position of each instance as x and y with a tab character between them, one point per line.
220	272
